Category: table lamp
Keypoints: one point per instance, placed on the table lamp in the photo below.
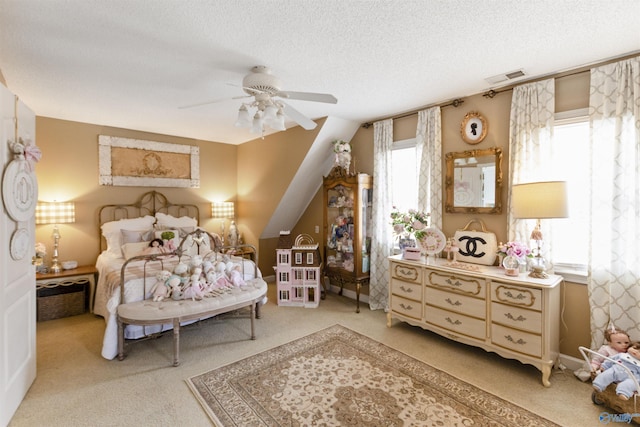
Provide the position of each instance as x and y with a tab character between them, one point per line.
223	211
539	200
55	213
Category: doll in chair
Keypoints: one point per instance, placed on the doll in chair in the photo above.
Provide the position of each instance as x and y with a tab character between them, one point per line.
614	373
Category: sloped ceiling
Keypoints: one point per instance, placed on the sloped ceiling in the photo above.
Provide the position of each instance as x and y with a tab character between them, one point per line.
133	63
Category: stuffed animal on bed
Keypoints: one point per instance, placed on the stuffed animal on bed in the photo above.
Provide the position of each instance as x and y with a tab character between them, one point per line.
234	272
176	289
617	342
160	290
614	373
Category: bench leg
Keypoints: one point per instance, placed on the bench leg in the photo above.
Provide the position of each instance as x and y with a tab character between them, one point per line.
253	316
120	340
176	342
257	305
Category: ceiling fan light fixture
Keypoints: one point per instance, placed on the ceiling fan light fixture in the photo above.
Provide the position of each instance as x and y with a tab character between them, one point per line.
278	123
270	113
256	126
243	117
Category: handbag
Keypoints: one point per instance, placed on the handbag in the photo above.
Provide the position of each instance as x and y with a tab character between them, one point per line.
477	247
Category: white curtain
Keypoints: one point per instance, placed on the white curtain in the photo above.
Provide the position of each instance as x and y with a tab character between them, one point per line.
530	150
429	152
382	242
614	259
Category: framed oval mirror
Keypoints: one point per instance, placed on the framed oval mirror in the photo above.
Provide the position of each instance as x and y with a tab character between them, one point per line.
473	182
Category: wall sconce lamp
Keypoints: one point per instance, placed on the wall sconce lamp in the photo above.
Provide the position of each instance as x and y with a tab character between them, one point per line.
55	213
539	200
222	211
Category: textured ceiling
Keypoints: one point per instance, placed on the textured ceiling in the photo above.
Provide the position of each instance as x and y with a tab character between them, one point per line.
132	63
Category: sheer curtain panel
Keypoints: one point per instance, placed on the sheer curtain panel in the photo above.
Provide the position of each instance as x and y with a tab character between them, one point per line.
530	150
381	242
614	258
429	151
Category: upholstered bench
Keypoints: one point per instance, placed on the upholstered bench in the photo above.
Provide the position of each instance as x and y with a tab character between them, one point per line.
149	312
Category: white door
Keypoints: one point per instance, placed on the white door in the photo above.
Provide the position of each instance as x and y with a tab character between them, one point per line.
17	275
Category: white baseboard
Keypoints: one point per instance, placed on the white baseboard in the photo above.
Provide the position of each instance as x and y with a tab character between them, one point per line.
570	362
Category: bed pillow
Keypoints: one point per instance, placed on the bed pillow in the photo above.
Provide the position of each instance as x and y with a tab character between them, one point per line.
135	236
129	250
113	235
164	220
191	247
175	240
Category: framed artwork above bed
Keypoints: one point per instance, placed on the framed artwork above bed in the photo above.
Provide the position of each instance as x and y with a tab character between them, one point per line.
139	163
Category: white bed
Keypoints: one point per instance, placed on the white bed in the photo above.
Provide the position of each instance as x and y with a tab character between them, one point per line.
125	230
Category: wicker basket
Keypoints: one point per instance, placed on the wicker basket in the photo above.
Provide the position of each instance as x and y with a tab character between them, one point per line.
61	302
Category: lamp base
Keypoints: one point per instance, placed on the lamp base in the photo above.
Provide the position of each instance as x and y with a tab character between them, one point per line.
55	268
538	273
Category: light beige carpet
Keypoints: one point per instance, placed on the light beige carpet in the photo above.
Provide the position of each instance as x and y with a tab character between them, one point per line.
338	377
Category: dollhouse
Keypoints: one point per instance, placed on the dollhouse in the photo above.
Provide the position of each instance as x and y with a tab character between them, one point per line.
298	271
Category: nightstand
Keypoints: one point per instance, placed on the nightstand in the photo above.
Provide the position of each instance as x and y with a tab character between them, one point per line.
83	275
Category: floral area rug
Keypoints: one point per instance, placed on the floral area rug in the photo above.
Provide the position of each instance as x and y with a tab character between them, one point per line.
337	377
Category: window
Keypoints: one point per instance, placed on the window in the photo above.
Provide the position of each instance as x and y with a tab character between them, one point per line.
310	258
404	194
298	258
571	235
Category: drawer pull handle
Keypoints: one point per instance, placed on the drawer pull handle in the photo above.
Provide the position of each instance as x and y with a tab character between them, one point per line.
406	307
520	296
453	303
510	339
453	322
407	290
517	319
452	283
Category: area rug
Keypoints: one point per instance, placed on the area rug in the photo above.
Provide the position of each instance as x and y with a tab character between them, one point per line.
338	377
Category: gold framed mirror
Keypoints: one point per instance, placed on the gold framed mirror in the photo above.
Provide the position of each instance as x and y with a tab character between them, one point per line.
473	182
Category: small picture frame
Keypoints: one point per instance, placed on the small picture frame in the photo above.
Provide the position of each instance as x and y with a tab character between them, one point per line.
473	128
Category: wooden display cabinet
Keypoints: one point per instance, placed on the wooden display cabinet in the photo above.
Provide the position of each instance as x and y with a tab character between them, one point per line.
347	229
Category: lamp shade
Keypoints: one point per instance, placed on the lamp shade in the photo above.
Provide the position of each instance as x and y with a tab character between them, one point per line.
55	212
540	200
222	210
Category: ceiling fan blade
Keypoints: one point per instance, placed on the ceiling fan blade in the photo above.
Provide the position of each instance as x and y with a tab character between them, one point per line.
309	96
298	117
200	104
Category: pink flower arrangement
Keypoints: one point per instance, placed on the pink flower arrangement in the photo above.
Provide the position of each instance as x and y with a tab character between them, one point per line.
515	249
412	222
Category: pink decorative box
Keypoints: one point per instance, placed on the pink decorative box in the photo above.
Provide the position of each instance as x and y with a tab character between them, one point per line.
411	253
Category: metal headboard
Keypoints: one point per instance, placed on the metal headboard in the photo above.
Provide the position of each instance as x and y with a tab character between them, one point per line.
149	203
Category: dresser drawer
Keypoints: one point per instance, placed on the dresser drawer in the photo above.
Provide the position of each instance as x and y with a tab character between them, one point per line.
455	302
456	322
407	273
406	289
516	317
516	295
406	307
522	342
467	285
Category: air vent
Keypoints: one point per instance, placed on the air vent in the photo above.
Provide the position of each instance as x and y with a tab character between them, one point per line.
506	76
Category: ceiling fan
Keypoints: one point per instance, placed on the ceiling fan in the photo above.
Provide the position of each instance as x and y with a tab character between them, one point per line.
270	109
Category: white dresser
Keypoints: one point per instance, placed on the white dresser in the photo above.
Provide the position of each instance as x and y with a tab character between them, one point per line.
515	317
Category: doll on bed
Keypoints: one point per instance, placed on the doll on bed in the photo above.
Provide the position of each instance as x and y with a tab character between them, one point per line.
156	246
614	373
617	342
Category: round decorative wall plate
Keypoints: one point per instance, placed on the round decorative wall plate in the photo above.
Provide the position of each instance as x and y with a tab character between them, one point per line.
19	245
473	128
19	190
433	241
